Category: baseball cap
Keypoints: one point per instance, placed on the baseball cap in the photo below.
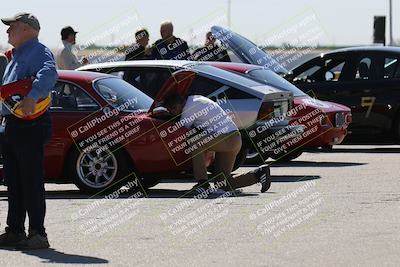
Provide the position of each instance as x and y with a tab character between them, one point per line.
67	31
24	17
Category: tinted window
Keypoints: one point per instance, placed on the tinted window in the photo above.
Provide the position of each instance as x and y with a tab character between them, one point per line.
148	80
69	97
203	86
323	70
122	95
363	69
391	68
270	78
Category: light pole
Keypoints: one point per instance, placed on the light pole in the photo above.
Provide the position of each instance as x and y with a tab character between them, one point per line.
390	23
229	14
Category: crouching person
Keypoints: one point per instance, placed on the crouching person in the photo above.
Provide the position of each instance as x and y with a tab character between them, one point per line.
219	134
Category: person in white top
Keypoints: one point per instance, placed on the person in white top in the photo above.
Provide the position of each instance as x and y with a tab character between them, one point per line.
217	132
65	58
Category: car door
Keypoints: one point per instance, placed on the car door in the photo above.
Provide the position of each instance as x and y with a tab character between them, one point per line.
345	78
380	96
70	104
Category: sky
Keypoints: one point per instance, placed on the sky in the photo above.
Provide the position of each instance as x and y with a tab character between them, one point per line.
341	22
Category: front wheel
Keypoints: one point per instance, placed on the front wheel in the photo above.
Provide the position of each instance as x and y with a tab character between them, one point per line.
96	170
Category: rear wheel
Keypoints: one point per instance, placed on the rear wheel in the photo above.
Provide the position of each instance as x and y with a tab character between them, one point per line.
240	158
254	158
96	170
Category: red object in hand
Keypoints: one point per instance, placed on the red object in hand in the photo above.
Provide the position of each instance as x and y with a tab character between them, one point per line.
11	95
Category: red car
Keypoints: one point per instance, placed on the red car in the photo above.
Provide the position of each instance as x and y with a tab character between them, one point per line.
104	135
325	122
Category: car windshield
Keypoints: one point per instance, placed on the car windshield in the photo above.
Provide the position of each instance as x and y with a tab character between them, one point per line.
121	95
271	78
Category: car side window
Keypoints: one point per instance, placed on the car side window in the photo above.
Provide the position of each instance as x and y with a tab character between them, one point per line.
391	68
147	80
323	70
363	71
69	97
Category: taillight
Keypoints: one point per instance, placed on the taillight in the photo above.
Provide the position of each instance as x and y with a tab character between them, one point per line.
266	111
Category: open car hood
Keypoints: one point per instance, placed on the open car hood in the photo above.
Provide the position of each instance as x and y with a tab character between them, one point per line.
245	50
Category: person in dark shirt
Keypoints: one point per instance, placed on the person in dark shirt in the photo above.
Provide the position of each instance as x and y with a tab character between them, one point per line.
211	51
139	50
169	46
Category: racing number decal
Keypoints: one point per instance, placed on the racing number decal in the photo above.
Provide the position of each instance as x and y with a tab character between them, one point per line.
368	101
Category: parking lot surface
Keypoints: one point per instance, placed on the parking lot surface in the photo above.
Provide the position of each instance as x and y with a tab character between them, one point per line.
340	208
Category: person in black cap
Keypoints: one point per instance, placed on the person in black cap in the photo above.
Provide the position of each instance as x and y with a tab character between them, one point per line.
24	140
65	58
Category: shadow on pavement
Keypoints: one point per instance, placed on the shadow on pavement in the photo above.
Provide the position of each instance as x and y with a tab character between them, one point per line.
295	163
150	193
53	256
367	150
293	178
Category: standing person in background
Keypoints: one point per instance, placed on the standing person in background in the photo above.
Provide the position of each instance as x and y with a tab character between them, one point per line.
139	50
3	65
169	46
24	140
66	59
211	51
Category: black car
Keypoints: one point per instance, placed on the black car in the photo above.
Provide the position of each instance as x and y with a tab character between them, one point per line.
367	79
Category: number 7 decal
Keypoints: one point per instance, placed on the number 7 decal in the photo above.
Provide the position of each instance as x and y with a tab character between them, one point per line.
368	101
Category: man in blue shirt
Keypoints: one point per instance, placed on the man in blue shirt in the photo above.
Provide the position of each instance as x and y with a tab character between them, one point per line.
24	139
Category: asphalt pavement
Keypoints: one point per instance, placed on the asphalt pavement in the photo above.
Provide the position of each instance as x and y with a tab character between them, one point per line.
340	208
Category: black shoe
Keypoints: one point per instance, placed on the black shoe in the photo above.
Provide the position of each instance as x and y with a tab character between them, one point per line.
201	187
10	239
34	241
264	177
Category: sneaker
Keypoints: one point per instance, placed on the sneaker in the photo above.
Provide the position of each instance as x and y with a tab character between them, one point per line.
264	177
201	187
10	239
34	241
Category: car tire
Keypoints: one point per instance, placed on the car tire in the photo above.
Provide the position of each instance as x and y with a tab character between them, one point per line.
240	158
287	156
99	171
254	158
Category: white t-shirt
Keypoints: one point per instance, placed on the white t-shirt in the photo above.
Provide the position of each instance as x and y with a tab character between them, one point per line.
203	113
66	59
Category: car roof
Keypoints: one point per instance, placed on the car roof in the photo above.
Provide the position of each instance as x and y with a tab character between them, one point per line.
118	64
391	49
83	76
